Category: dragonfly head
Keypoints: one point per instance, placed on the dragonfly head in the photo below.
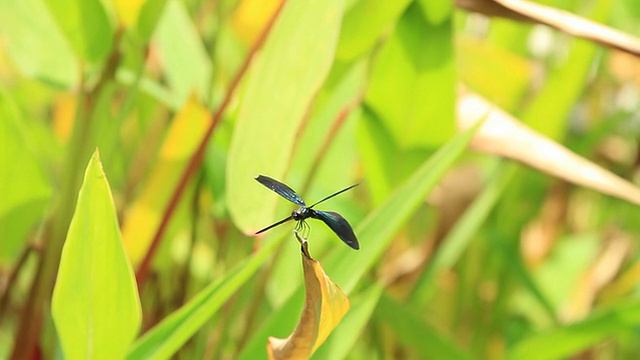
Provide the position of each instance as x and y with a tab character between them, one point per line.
302	213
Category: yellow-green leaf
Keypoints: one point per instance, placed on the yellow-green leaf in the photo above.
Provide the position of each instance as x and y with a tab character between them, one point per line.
325	305
95	306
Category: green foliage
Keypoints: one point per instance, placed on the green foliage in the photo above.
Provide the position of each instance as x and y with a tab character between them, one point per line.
463	255
95	304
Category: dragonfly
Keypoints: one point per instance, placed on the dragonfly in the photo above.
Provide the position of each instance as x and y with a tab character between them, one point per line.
339	225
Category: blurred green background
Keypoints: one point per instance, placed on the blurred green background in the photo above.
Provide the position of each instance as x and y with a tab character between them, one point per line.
463	254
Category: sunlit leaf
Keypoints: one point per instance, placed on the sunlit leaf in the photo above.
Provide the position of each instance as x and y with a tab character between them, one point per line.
413	92
149	17
364	23
182	139
325	305
35	44
95	303
86	26
185	60
128	10
293	63
493	72
251	16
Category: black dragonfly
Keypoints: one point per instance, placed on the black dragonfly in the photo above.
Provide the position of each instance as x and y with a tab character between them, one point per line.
335	221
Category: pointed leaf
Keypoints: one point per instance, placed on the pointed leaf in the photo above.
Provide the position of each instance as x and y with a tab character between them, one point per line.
95	305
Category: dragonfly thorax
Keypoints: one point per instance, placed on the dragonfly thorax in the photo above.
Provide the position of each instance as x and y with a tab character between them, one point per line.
302	213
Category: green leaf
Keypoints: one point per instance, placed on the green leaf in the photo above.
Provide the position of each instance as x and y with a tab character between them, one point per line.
412	86
85	25
364	23
149	17
410	329
172	333
458	239
379	155
347	267
185	61
33	41
292	66
493	72
23	188
95	305
565	84
436	11
565	341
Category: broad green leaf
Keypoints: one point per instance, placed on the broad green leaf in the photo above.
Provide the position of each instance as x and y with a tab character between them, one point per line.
86	26
162	341
565	341
186	63
95	305
23	188
412	87
292	66
410	328
34	43
493	72
364	23
347	267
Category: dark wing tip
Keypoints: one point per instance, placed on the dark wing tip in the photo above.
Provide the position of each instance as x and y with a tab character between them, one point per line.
340	227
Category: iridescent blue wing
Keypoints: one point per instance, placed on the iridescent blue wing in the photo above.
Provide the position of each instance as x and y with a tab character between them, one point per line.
340	226
282	189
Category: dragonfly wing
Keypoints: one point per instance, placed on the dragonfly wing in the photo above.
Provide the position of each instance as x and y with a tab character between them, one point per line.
275	224
340	226
282	189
